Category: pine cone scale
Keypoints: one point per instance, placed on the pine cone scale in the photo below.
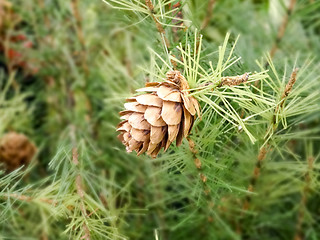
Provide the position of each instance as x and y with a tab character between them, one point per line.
169	94
171	112
188	105
124	126
147	89
135	107
187	122
173	131
149	100
140	135
157	134
144	148
152	147
153	116
137	120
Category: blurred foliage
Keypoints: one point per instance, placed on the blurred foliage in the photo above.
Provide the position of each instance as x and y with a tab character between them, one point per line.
66	68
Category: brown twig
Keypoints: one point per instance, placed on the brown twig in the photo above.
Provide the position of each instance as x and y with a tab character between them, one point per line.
230	80
158	24
80	35
78	183
25	198
208	16
202	175
282	28
178	21
234	80
285	93
266	148
299	234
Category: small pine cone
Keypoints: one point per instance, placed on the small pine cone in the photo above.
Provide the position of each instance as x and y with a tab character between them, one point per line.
16	150
163	114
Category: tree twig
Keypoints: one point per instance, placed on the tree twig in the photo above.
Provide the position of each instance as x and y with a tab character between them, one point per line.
230	81
80	35
78	183
208	16
282	28
234	80
202	175
299	234
266	148
26	198
158	24
177	21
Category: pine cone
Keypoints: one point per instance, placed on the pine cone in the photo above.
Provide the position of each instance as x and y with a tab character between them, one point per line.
16	150
155	119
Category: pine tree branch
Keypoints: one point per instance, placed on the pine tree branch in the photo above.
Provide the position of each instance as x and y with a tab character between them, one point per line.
234	80
202	176
160	29
26	198
230	81
266	148
158	24
78	183
208	16
80	35
304	198
178	21
282	29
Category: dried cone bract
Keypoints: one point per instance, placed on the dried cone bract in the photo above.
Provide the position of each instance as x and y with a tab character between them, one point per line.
161	114
16	150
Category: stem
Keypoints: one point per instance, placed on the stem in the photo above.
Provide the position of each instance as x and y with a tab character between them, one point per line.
234	80
266	148
299	234
202	176
208	17
282	28
230	80
179	23
78	183
29	199
158	24
80	35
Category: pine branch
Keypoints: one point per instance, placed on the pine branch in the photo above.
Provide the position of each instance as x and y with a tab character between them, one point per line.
266	148
208	16
178	21
230	81
78	183
26	198
234	80
304	198
282	28
202	176
160	29
158	24
80	35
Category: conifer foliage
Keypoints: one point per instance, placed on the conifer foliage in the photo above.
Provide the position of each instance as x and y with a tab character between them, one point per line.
230	90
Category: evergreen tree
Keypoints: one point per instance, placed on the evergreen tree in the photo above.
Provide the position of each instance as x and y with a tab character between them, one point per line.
249	169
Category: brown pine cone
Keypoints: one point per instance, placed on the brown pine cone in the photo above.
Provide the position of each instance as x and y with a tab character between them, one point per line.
155	119
16	150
